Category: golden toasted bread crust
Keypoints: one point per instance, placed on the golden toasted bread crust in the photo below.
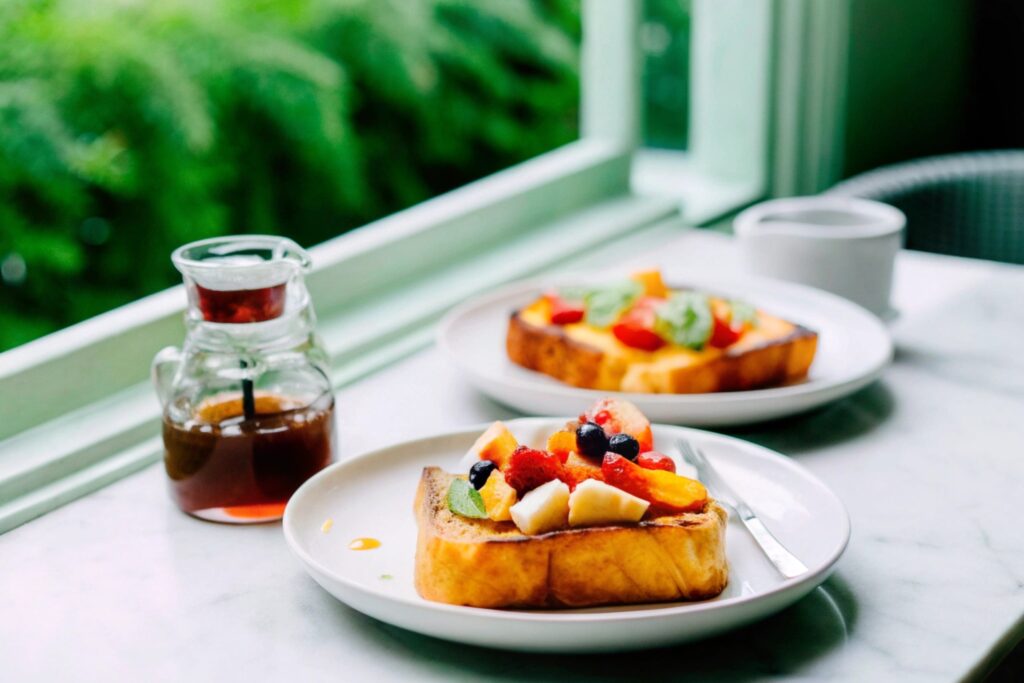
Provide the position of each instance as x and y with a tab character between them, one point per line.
491	564
550	350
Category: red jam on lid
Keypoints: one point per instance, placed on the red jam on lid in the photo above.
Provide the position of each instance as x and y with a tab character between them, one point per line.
241	305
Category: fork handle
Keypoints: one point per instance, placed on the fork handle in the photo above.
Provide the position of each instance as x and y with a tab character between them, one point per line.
785	561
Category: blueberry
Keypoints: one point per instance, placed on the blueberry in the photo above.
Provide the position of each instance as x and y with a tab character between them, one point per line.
479	473
624	445
591	440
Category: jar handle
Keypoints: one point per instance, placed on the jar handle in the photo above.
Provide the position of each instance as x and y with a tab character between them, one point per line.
165	364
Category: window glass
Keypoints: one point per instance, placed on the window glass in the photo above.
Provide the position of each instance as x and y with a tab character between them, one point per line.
128	128
665	43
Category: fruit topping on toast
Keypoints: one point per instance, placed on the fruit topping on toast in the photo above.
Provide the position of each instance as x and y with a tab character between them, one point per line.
599	470
498	497
562	443
594	502
496	444
578	468
654	460
617	416
563	311
528	468
544	509
644	314
667	492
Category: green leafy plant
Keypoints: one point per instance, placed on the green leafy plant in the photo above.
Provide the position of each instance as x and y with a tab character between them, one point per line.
127	129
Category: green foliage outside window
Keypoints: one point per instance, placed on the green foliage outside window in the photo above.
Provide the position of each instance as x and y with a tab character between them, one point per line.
130	127
665	41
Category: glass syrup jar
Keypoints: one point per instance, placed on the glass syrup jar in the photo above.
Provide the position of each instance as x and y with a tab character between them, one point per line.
248	411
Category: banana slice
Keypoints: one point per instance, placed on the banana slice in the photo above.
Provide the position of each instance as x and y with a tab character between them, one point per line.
595	502
543	509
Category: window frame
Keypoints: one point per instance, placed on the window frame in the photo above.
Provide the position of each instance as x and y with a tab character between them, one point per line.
767	97
86	414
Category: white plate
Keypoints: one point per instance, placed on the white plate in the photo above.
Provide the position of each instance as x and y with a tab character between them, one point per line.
854	348
372	496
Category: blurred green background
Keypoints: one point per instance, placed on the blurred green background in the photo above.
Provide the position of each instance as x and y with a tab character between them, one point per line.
128	128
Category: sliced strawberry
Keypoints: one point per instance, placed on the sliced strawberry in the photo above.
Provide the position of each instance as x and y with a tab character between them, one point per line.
723	334
564	312
636	329
529	468
653	460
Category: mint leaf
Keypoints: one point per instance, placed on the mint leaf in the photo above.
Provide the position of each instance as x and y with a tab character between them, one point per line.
465	500
605	304
685	319
742	312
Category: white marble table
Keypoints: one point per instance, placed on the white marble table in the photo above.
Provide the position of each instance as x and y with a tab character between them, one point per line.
930	462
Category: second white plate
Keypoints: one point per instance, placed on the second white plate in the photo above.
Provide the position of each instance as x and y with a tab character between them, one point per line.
854	347
372	495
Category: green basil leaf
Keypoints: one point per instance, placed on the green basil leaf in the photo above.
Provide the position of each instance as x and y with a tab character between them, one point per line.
604	305
742	312
685	319
465	500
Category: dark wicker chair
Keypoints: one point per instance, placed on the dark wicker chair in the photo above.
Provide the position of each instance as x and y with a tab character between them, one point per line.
960	204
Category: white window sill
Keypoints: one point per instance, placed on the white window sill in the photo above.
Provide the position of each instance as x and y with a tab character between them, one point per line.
701	197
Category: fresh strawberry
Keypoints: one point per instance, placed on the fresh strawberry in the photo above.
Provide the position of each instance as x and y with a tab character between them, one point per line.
618	416
636	329
654	460
723	334
667	493
564	312
529	468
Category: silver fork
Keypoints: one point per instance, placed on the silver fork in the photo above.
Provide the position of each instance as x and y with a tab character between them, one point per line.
786	562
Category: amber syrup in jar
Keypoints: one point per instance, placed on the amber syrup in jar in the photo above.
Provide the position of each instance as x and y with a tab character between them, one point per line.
228	468
241	305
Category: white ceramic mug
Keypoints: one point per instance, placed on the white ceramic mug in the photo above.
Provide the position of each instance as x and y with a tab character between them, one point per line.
842	244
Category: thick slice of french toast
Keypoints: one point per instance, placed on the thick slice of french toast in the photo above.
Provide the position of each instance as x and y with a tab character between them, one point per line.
593	359
481	563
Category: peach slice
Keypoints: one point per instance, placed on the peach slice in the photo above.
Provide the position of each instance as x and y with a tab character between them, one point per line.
667	492
496	444
562	443
619	416
498	497
652	282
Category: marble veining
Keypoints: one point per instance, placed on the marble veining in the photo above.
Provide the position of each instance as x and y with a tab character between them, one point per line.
121	586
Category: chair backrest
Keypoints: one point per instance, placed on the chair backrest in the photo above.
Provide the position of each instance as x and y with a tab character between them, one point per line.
961	204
